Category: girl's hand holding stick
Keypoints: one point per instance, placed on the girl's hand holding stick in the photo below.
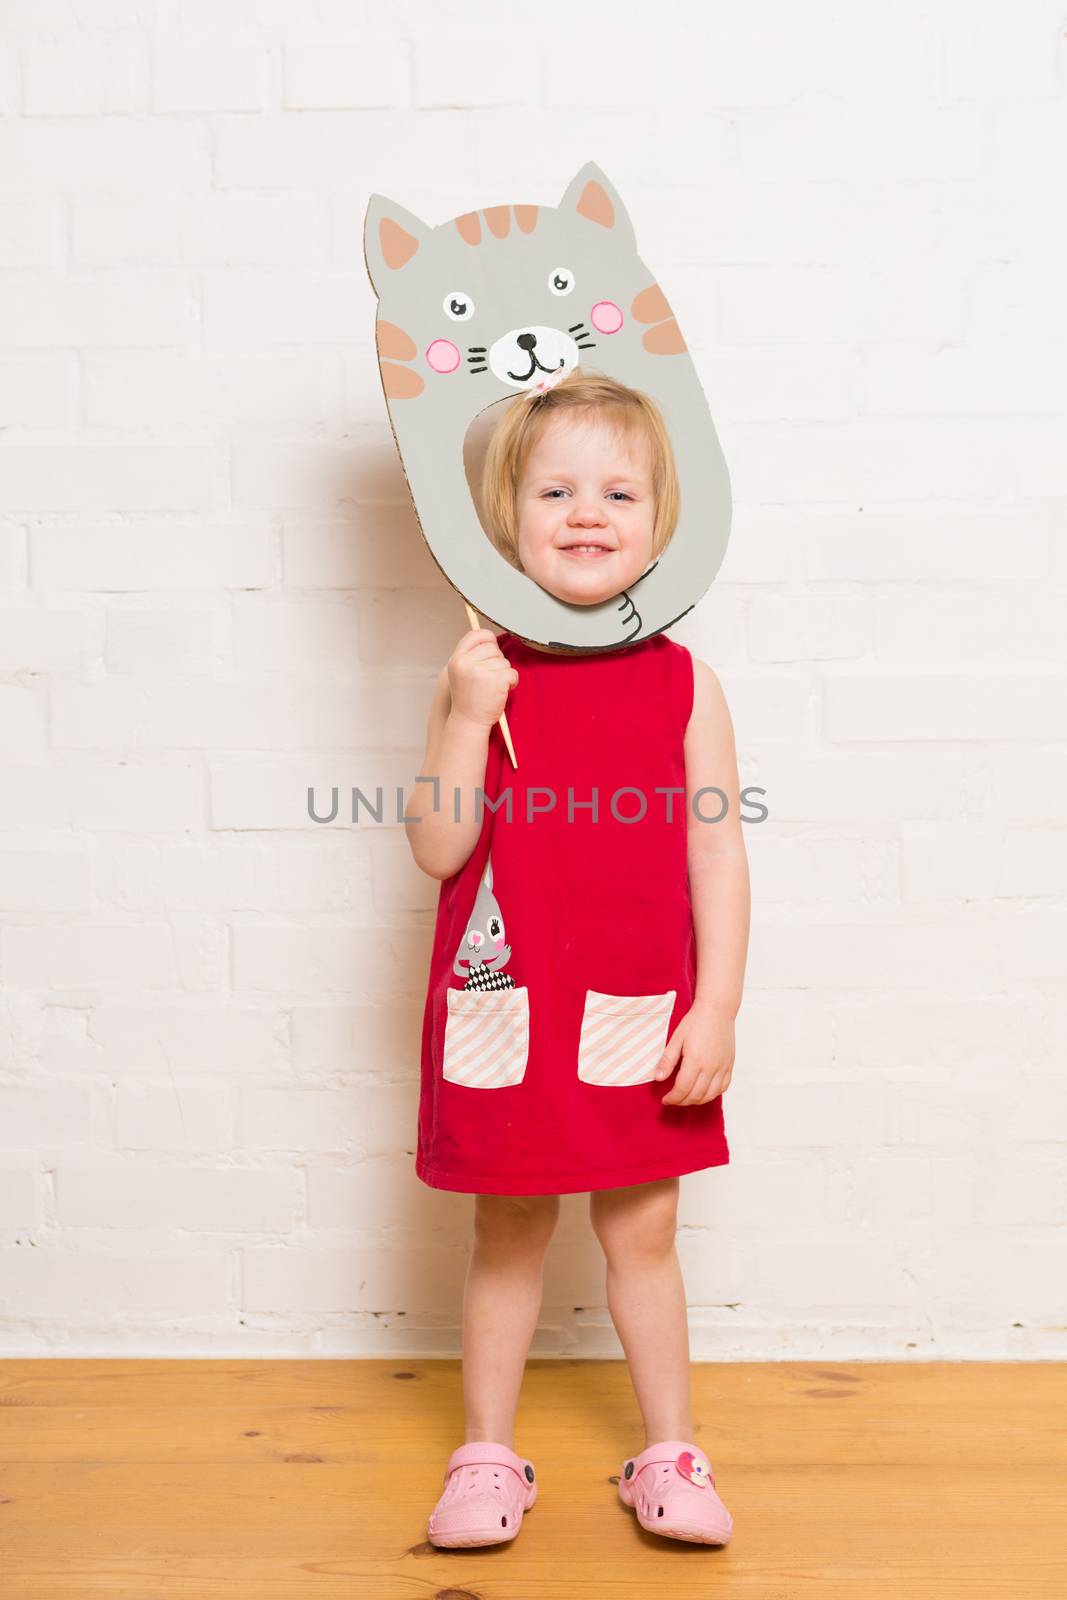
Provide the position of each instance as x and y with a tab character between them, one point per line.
472	617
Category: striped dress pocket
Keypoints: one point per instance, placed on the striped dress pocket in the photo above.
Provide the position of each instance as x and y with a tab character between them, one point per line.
623	1037
487	1037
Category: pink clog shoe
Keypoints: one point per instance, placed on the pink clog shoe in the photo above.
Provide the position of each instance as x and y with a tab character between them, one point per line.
487	1489
672	1490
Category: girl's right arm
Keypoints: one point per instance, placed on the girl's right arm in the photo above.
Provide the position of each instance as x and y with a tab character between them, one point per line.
471	692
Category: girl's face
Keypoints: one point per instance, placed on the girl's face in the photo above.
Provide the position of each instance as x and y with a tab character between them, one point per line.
585	509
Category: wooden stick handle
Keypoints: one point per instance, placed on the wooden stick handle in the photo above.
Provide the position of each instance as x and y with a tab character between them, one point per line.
472	617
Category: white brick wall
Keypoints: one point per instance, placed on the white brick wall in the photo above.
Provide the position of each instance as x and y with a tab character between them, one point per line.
213	593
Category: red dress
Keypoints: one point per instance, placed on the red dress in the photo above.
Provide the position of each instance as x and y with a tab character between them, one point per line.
564	950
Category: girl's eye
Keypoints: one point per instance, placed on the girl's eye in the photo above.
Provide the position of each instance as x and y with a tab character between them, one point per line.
556	491
623	493
459	306
561	280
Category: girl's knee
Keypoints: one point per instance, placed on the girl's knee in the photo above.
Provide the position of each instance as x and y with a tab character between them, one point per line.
529	1216
642	1220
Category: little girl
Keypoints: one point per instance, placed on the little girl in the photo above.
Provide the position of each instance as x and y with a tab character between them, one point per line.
590	944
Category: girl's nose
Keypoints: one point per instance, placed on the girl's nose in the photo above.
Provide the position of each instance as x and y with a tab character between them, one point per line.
586	516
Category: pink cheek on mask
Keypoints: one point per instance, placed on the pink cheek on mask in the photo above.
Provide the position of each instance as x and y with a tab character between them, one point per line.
606	317
443	356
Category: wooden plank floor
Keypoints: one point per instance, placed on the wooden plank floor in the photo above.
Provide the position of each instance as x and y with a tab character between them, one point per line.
145	1479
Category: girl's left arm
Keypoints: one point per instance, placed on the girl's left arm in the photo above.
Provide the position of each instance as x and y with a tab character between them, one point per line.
720	897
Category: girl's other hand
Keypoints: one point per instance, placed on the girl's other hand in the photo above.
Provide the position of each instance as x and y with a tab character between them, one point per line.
704	1044
479	678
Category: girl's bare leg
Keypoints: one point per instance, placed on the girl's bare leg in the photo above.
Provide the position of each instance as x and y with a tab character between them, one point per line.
501	1302
646	1297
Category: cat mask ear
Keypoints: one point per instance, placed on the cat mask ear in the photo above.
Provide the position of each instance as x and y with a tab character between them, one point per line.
589	194
391	237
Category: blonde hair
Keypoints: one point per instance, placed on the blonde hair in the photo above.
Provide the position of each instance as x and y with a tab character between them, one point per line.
525	420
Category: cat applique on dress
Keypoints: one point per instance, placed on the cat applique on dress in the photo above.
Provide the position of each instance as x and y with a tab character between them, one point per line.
487	1024
483	951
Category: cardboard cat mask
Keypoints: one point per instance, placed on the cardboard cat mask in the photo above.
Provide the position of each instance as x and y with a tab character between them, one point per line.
490	304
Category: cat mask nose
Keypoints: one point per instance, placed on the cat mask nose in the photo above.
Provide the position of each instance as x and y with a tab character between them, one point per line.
524	357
